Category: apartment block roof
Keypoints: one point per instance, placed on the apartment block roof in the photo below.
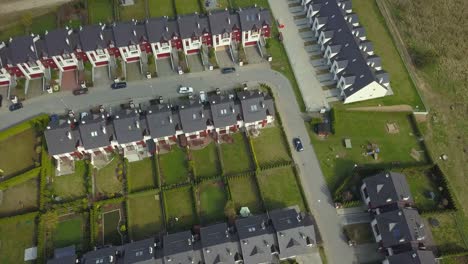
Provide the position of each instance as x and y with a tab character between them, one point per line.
413	257
61	137
161	29
220	244
400	226
193	25
129	126
253	18
223	110
92	37
96	131
387	188
21	49
256	106
223	21
193	116
161	122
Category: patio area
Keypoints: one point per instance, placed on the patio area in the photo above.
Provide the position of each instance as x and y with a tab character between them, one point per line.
135	153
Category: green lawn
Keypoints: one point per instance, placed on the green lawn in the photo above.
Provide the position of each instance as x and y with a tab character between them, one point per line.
359	233
12	31
236	156
111	228
249	3
173	166
19	145
141	174
222	4
377	32
206	161
184	7
159	8
270	146
280	189
16	234
244	193
43	23
100	11
212	198
20	198
179	204
448	235
420	185
106	179
69	232
136	11
144	216
71	186
364	128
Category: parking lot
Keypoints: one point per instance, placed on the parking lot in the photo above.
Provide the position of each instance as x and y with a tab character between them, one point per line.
164	67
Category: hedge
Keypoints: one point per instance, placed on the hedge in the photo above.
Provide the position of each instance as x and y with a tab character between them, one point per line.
39	122
20	178
254	156
153	191
16	218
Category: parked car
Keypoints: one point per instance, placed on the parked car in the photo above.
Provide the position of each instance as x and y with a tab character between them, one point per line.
80	91
119	85
298	144
14	107
185	90
228	70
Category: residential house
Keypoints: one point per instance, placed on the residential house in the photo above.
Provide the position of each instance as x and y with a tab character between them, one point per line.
225	113
57	49
258	108
63	140
163	34
64	255
142	251
194	32
295	233
225	28
107	255
346	51
386	191
162	123
399	230
257	239
131	131
127	41
5	79
220	244
94	44
181	248
255	23
194	119
411	257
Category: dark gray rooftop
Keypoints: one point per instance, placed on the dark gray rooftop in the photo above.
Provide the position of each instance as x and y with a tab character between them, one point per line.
129	126
92	38
223	111
223	21
413	257
179	248
95	131
400	226
295	233
257	239
193	117
61	138
220	245
21	49
255	105
105	255
139	251
254	18
387	188
160	121
161	29
64	255
125	34
193	25
57	42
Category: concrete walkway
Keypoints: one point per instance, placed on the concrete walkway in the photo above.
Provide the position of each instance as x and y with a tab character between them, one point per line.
354	215
311	88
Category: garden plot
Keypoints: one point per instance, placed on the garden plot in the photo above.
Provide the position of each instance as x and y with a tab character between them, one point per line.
141	174
173	166
71	186
25	145
211	199
108	180
270	146
180	211
20	198
17	234
206	161
236	155
145	216
245	193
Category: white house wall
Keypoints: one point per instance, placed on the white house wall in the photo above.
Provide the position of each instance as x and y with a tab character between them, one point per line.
371	91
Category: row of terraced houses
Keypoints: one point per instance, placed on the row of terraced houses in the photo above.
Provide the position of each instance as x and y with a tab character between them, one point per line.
141	132
66	49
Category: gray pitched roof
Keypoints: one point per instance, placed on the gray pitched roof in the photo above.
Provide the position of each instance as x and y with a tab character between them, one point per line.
295	234
255	105
57	42
95	131
220	245
413	257
223	111
223	21
101	256
129	126
254	18
139	251
125	34
3	55
193	25
64	255
161	29
21	49
92	38
257	239
400	226
193	117
179	248
387	188
160	121
61	138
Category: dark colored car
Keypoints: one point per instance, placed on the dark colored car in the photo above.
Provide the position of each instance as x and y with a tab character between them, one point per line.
15	107
119	85
80	91
228	70
298	144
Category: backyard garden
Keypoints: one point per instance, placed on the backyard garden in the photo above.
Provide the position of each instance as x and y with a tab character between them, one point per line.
206	161
174	166
179	208
17	234
109	180
71	186
145	217
141	174
245	193
211	199
236	156
268	153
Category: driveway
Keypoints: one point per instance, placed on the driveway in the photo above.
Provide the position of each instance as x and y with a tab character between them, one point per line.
224	58
294	44
35	88
69	81
164	67
195	63
133	71
101	76
253	55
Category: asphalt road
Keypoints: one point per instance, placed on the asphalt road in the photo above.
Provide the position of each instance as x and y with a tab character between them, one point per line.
312	178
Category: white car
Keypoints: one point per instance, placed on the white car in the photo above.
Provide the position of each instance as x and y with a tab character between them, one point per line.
185	90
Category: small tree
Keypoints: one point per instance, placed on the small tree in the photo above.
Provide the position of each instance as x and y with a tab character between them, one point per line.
230	210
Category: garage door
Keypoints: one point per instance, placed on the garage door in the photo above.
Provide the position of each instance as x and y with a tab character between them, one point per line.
194	51
163	55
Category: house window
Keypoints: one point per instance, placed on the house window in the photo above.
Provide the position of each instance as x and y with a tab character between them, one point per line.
225	35
253	108
223	111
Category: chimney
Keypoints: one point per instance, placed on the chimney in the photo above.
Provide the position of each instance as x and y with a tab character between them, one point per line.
31	48
298	217
104	130
189	241
170	119
258	16
198	25
167	29
101	36
69	135
202	115
137	124
227	233
67	41
229	20
134	32
263	225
